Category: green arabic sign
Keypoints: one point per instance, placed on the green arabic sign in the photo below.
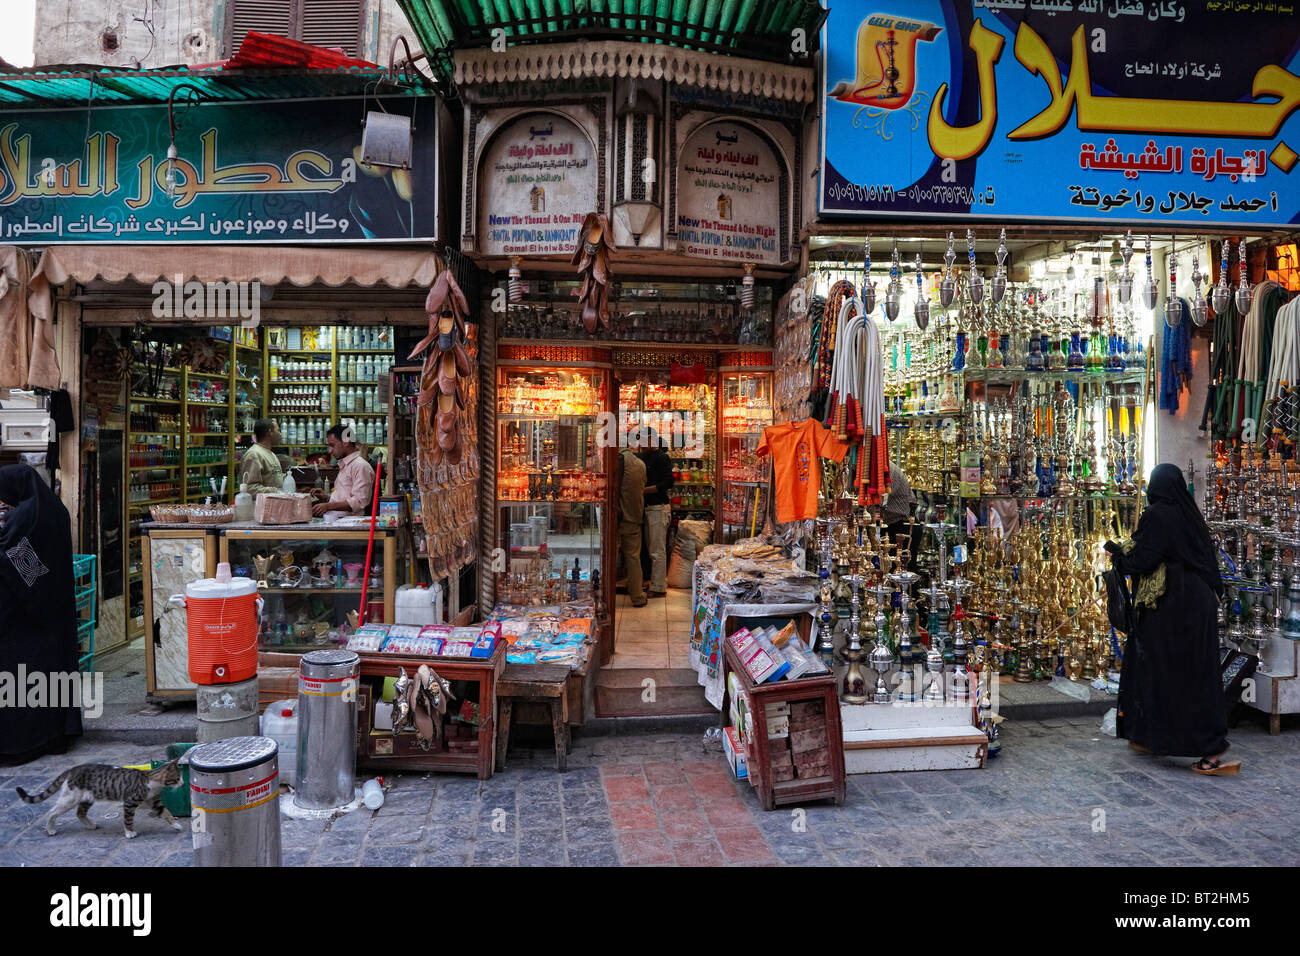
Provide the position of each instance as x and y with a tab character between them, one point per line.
281	172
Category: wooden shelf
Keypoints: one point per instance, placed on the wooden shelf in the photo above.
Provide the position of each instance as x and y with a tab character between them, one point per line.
154	401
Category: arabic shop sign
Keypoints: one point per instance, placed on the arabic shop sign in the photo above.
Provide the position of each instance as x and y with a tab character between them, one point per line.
1124	111
728	196
284	172
538	178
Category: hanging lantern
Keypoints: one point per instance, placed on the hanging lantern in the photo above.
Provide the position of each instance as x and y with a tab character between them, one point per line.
1000	277
868	284
1150	291
948	285
894	292
1173	308
976	283
1222	294
1243	288
1126	277
922	311
1200	311
516	284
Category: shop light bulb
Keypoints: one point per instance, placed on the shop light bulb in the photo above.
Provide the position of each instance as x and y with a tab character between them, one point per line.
169	177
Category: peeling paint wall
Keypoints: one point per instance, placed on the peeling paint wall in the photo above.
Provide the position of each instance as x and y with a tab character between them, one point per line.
149	33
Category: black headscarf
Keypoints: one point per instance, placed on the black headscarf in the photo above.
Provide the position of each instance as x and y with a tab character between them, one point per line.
35	549
1180	523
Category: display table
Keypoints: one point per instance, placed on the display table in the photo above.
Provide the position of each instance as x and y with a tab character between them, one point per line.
175	555
384	751
1277	689
822	690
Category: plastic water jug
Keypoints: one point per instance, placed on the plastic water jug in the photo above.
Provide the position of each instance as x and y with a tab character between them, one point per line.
280	723
221	624
418	605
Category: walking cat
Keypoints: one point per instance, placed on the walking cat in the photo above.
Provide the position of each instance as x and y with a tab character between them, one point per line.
82	786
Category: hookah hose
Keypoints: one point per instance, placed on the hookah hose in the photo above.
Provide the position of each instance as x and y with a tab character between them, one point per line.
1227	333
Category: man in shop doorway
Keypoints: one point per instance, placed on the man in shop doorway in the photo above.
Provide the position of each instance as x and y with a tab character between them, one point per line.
658	513
897	509
631	512
260	468
356	480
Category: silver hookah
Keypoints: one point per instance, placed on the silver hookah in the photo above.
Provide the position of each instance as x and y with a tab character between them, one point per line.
922	311
1150	291
976	281
904	580
1200	311
1000	277
1243	294
948	285
868	284
1222	294
894	291
882	658
1126	277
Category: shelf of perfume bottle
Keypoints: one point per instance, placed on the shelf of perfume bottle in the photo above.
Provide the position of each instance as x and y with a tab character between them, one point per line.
997	375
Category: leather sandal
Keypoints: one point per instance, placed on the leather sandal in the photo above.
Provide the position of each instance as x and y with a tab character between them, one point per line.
1216	768
447	373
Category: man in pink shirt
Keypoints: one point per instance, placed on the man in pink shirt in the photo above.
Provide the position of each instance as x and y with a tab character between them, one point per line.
356	481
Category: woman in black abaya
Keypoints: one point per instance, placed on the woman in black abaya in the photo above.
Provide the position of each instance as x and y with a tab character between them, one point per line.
38	618
1170	691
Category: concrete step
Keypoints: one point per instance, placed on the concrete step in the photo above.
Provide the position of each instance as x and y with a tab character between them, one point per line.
650	692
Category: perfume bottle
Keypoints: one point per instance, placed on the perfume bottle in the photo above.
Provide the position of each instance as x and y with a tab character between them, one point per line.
996	357
959	356
1075	362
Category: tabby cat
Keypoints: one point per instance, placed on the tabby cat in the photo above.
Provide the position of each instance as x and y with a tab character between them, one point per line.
81	786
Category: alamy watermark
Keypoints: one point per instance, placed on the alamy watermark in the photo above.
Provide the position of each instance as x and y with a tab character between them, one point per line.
178	299
38	689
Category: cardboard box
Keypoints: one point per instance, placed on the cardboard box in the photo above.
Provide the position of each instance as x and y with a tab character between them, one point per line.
735	751
820	755
804	740
782	774
781	757
807	708
778	727
812	771
282	508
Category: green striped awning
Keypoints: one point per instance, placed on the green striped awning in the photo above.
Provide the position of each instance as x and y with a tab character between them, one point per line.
758	29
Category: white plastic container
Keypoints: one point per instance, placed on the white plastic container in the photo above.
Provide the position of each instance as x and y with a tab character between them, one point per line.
372	793
418	605
289	486
280	723
243	504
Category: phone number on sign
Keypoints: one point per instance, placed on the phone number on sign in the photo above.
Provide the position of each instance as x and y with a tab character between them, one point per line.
942	195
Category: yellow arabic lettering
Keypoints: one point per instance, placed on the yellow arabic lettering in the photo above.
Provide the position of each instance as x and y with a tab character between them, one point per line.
964	142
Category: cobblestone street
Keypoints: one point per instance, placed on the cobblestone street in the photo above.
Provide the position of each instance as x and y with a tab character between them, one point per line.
1059	795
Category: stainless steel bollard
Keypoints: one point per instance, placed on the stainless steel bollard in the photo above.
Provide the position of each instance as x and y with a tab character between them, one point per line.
327	729
234	793
227	710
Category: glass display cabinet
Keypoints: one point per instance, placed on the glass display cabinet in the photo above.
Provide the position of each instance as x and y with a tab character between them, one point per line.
313	576
745	487
553	442
684	416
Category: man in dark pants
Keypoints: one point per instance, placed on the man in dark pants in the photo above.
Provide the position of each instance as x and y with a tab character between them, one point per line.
658	511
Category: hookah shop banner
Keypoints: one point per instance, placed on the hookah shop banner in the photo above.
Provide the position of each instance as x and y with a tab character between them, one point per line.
285	172
1152	113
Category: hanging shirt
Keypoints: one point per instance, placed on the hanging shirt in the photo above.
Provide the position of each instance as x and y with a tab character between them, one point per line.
795	448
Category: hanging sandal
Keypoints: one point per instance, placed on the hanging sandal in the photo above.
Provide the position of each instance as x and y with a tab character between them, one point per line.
1216	768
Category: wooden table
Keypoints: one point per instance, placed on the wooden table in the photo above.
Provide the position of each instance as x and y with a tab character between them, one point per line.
388	751
758	755
548	682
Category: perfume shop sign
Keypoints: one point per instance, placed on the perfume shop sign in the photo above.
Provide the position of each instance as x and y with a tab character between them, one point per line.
728	196
538	179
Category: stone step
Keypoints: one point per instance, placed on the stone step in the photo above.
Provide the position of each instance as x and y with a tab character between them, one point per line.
942	747
650	692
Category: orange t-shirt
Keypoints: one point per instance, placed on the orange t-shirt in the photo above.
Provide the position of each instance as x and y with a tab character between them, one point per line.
795	448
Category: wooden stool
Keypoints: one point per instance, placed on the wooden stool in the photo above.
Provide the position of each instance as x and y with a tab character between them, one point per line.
534	682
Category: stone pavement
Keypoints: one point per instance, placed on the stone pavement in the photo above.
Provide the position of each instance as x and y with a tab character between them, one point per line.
1059	795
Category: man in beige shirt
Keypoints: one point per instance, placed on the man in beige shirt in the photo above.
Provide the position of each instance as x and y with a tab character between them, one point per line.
356	479
631	512
260	468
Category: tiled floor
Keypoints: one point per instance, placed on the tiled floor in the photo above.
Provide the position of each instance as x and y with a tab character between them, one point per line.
657	635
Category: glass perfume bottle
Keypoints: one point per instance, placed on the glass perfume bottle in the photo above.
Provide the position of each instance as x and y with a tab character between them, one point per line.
1075	362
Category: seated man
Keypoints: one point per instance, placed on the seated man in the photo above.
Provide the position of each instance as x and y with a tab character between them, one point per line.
260	468
356	481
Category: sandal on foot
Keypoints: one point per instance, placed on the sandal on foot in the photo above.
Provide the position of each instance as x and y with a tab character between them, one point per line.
1214	768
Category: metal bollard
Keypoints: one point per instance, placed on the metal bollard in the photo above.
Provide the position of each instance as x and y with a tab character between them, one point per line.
227	710
327	729
234	794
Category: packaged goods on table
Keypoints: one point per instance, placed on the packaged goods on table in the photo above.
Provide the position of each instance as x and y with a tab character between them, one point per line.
555	634
428	640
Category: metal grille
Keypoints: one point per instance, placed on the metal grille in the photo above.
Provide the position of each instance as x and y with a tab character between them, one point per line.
640	123
261	16
332	23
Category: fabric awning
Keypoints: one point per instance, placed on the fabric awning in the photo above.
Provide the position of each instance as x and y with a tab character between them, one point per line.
395	267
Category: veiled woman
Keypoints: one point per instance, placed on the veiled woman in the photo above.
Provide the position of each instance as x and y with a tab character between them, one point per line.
38	617
1171	698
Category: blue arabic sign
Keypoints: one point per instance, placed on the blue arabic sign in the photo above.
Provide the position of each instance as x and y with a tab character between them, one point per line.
1168	113
268	172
